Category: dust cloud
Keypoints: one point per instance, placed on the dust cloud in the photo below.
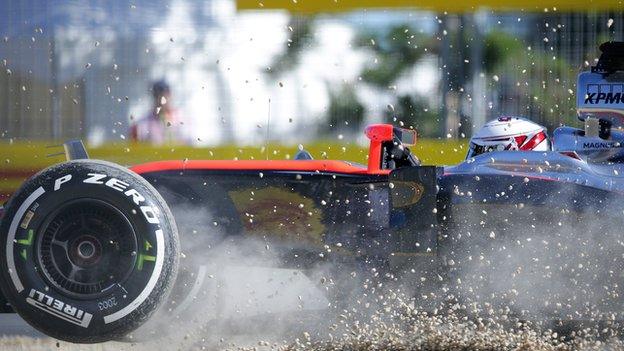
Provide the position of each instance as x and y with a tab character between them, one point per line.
510	282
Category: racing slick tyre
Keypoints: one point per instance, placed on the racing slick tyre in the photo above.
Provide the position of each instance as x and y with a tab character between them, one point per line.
90	251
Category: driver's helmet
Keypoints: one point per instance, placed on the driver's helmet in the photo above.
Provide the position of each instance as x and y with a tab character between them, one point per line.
509	133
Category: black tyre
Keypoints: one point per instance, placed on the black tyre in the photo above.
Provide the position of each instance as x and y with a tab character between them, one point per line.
91	251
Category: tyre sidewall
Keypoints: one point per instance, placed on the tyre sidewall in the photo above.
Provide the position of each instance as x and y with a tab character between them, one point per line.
123	307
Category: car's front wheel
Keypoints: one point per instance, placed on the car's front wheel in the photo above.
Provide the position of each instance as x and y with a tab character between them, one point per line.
91	251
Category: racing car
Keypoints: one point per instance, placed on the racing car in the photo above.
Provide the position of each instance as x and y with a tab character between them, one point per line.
92	249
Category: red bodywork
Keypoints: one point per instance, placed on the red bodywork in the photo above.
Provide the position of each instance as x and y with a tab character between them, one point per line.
327	166
377	133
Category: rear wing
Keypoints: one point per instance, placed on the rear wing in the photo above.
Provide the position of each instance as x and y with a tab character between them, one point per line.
388	147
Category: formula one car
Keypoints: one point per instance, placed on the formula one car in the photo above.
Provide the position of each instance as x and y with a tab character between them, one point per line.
91	249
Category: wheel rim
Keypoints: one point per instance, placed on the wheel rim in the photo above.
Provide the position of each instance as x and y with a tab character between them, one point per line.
86	247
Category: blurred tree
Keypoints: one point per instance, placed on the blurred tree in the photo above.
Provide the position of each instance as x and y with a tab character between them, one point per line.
345	111
499	48
395	52
300	38
415	113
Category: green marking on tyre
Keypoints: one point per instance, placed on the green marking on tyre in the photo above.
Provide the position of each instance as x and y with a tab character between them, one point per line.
28	241
144	257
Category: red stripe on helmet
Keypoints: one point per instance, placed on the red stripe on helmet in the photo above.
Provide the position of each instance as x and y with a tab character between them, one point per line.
534	141
520	139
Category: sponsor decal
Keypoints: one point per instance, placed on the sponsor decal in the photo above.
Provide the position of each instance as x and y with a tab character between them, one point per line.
149	212
279	213
59	308
601	145
406	193
604	94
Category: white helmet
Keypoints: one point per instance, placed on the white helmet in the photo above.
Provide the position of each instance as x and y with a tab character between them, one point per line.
509	133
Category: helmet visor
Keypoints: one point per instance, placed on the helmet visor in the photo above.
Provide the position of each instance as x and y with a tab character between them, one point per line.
476	149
